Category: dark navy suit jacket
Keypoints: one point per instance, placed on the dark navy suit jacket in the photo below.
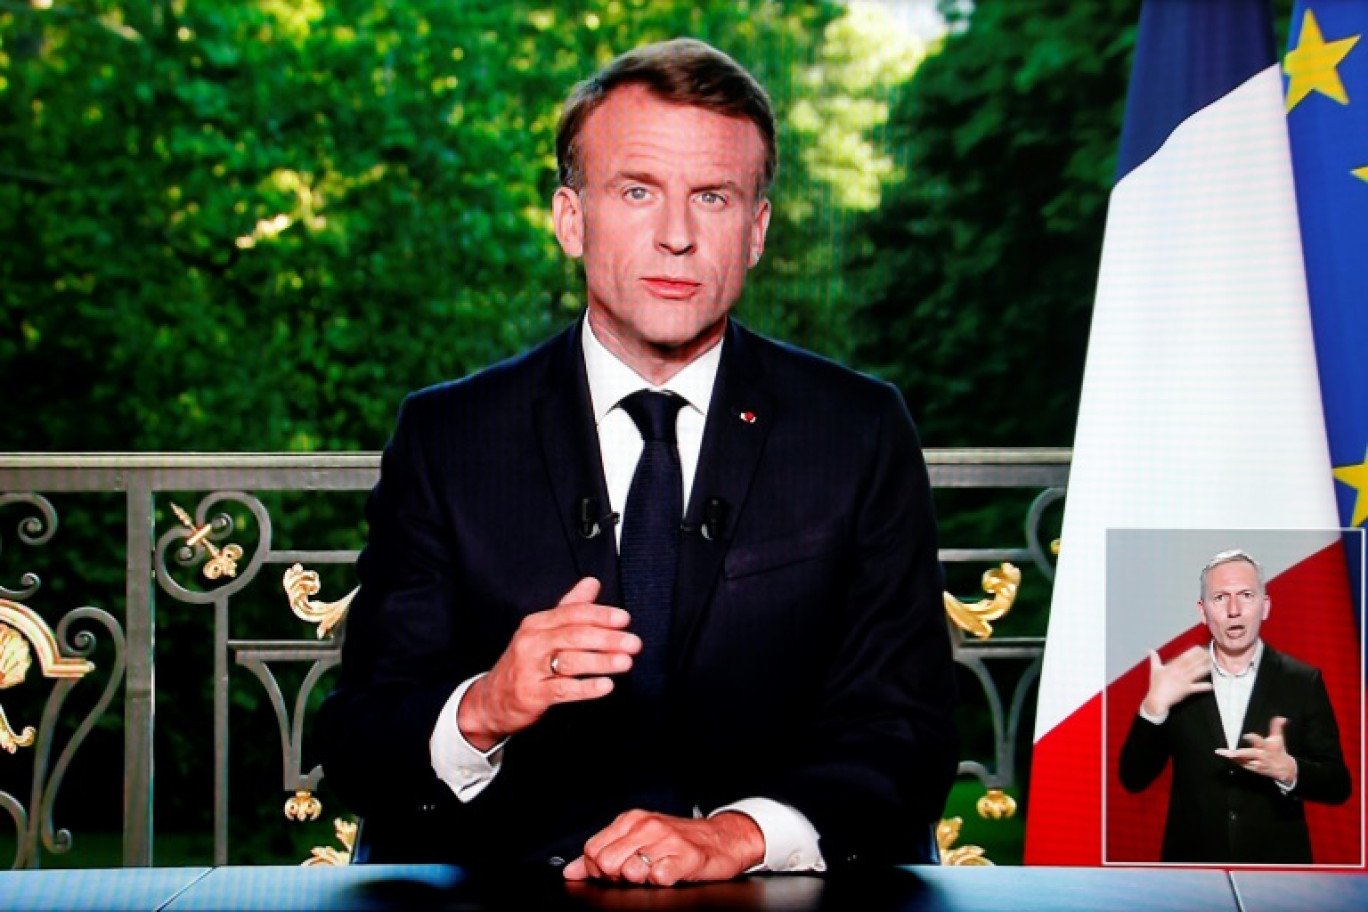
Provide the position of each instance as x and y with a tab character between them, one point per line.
1219	813
809	660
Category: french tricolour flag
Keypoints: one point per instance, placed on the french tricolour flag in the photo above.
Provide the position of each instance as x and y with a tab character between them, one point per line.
1200	429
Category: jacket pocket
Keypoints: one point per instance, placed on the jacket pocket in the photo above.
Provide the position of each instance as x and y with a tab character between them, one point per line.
749	559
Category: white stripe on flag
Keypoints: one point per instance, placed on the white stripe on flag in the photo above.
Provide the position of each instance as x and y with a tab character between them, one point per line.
1200	407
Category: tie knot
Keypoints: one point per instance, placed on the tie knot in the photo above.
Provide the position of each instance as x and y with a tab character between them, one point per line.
654	413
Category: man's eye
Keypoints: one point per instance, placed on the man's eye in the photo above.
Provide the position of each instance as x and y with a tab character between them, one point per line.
635	193
712	198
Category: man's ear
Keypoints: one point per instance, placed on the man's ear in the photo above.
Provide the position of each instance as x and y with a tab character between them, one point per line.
567	215
759	227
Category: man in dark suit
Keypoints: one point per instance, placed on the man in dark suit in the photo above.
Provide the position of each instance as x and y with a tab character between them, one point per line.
762	680
1231	804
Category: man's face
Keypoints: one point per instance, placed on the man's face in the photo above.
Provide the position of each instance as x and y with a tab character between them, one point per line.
668	222
1234	607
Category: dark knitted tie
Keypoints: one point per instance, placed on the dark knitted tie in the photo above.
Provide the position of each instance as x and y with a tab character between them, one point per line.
650	537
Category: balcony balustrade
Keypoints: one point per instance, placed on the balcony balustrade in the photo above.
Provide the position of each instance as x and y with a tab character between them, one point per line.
207	536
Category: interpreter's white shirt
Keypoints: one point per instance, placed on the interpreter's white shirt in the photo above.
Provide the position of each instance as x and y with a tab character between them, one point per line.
791	841
1232	693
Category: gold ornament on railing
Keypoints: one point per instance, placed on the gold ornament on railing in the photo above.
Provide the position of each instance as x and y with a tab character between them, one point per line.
20	626
15	660
303	806
345	831
996	805
222	561
299	585
15	657
947	831
1001	583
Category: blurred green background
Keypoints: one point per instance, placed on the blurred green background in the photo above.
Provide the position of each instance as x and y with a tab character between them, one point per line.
256	224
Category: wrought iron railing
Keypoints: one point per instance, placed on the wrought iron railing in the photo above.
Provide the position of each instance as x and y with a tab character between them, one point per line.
198	532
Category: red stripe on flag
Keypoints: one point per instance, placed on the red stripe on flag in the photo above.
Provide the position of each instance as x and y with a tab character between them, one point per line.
1063	822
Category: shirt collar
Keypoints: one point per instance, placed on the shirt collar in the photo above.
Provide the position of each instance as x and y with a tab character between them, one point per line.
1249	669
610	380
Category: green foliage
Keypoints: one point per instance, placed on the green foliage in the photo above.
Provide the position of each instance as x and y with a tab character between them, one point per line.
977	273
255	225
837	164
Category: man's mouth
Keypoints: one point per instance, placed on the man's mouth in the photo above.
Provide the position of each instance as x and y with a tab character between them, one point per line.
674	289
1235	631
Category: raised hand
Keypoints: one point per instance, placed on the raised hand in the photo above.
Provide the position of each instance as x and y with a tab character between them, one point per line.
1170	684
562	655
1266	756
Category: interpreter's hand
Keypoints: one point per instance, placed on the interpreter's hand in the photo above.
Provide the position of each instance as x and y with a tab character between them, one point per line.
644	847
1265	756
561	655
1173	683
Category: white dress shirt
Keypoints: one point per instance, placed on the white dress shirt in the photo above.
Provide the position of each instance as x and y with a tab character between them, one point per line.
791	842
1232	693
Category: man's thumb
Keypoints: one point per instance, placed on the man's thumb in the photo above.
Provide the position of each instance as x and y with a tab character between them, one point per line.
586	590
1275	728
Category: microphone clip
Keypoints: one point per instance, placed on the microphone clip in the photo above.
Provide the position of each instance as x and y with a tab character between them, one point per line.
714	522
590	521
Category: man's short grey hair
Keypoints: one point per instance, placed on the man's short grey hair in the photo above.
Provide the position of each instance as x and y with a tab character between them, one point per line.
1227	557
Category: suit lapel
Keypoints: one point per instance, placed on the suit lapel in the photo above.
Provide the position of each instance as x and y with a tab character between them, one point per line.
740	416
574	464
1211	718
1257	714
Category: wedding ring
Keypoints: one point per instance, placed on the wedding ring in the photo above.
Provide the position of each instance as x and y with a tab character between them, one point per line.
645	859
555	663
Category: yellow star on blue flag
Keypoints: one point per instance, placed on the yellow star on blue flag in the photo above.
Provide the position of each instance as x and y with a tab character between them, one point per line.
1327	61
1312	65
1356	477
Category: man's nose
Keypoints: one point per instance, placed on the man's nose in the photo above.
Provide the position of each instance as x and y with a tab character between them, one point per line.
675	229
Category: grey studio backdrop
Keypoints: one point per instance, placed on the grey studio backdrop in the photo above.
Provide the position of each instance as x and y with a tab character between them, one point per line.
1153	574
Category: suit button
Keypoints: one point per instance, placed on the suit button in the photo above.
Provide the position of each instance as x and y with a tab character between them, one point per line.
556	861
1233	815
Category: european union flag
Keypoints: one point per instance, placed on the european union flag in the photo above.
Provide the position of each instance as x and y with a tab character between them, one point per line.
1325	74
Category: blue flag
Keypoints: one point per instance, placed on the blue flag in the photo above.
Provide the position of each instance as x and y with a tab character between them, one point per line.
1325	74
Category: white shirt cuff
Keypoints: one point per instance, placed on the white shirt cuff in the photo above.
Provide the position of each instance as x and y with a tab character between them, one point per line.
1289	786
1154	720
465	770
790	838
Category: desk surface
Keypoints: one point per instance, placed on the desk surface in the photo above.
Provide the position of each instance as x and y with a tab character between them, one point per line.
1265	891
381	887
91	890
